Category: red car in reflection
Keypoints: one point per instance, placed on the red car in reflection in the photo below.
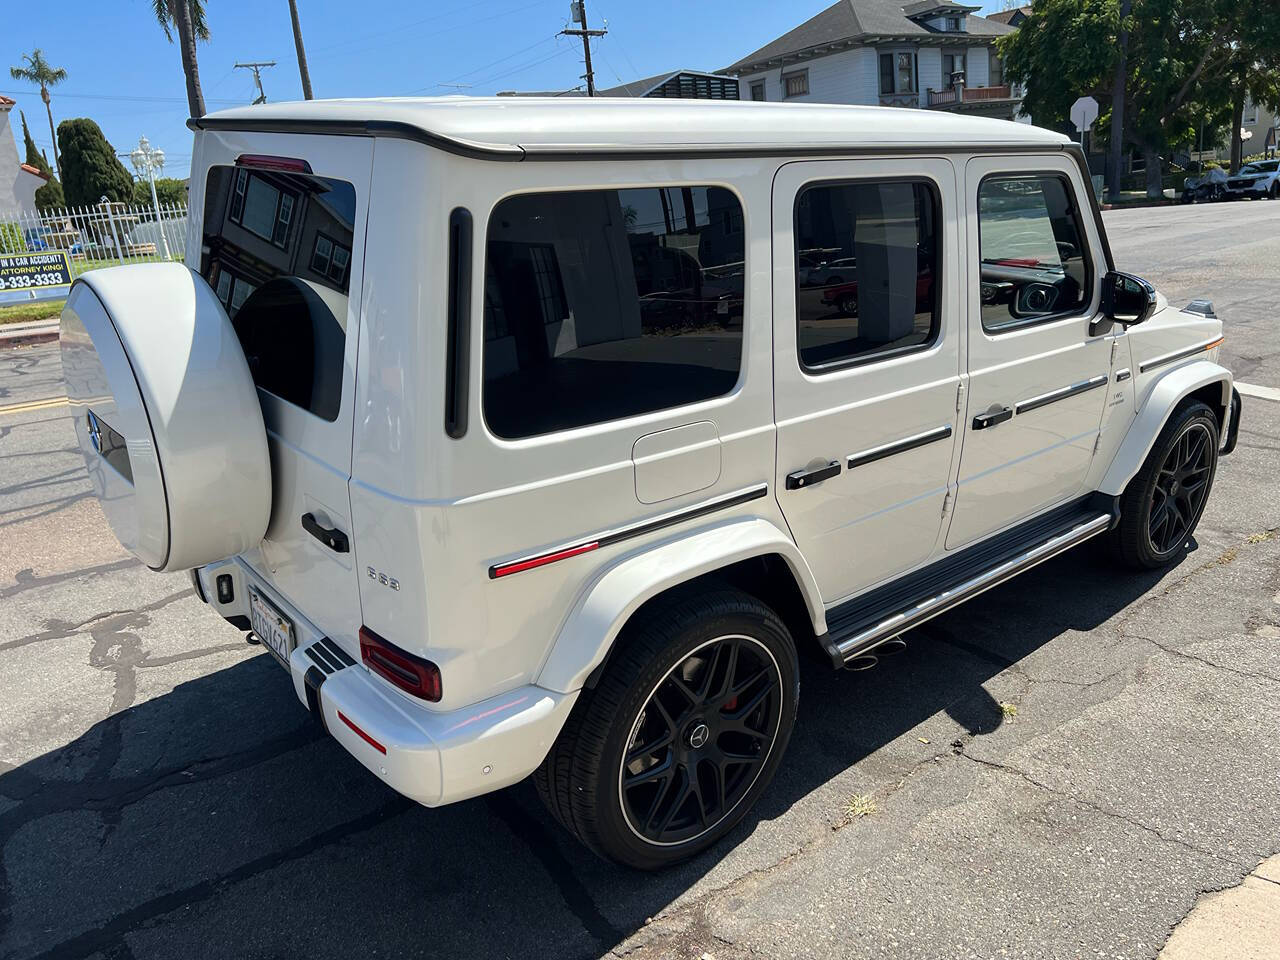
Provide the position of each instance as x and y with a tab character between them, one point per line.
844	296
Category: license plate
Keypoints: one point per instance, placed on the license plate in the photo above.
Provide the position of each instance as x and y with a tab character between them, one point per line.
273	628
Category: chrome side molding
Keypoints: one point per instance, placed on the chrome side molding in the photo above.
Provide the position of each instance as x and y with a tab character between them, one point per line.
928	608
899	446
1053	396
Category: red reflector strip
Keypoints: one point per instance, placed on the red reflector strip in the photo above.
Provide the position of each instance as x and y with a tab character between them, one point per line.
541	561
361	734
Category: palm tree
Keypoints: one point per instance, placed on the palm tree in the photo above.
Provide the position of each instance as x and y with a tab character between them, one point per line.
39	71
187	16
302	53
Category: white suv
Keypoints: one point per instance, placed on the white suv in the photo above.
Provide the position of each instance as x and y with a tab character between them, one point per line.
508	427
1256	180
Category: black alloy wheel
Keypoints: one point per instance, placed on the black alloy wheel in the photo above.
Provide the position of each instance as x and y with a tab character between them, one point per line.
1180	489
1162	504
701	739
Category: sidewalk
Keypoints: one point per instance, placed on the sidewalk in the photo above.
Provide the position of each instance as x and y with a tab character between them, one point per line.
1239	923
28	332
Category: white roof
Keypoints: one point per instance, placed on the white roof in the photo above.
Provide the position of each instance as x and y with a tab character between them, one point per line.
516	127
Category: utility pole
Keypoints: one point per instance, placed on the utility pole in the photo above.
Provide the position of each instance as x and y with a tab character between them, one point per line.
578	14
257	67
302	53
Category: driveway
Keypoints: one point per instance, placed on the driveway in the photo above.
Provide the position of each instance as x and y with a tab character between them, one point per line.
1058	769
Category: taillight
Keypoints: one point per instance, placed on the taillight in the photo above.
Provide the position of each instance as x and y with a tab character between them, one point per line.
412	674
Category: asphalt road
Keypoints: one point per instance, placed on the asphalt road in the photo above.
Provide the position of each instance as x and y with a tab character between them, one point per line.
1058	769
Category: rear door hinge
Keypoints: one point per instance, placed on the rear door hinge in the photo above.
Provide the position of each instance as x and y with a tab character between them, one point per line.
946	504
959	396
1097	442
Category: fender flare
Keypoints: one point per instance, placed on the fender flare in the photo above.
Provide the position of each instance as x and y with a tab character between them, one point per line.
1162	396
604	607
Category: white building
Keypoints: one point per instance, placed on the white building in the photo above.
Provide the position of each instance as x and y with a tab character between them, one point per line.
18	181
926	53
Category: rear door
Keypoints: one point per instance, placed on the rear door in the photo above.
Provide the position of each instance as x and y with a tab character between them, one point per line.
867	364
282	241
1037	376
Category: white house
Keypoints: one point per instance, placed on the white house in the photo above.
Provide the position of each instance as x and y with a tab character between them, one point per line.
18	181
933	54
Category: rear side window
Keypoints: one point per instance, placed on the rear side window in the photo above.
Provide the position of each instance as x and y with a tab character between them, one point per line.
1034	259
604	304
866	270
277	252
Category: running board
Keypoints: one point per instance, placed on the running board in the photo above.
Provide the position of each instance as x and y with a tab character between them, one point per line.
863	623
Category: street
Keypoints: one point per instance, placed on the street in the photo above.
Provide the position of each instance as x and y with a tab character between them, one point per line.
1059	768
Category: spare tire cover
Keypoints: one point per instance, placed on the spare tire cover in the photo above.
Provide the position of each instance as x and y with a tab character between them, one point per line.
167	414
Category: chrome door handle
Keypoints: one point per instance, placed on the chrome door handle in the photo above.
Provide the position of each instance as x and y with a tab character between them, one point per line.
807	478
992	418
331	537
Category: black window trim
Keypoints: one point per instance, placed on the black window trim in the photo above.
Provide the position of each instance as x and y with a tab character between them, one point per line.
803	72
457	341
628	421
888	353
1090	273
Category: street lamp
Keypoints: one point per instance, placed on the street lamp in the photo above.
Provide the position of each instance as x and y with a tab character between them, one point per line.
147	160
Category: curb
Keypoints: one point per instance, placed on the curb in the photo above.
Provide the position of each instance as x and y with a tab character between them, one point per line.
29	332
27	340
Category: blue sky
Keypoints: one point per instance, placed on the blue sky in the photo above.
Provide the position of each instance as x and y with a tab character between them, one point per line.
123	73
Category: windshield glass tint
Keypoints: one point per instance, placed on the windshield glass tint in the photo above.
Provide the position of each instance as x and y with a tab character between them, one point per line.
604	304
277	252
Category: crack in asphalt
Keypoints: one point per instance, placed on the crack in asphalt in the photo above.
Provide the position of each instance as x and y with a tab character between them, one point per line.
26	580
61	630
1097	808
1176	652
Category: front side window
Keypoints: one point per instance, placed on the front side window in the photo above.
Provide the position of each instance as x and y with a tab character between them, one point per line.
1033	253
605	304
276	250
866	270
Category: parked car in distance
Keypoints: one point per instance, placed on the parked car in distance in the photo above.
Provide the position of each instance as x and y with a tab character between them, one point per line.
1256	181
831	272
513	431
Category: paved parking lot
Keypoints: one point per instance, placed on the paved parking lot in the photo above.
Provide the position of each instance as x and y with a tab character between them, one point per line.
1058	769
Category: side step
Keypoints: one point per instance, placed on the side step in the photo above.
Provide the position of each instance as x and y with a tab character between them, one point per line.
863	623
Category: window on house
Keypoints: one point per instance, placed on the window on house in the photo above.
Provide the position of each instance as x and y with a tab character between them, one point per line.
955	24
1250	115
330	259
952	63
867	270
795	84
1034	261
897	72
604	304
262	207
757	90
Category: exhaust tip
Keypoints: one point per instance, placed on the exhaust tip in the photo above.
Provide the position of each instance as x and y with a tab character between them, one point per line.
892	646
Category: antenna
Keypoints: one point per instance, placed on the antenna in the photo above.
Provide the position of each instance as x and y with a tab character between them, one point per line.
257	67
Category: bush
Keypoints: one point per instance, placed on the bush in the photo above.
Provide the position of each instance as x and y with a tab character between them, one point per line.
11	240
90	169
168	189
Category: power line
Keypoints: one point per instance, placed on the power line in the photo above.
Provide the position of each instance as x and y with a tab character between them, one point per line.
470	73
118	97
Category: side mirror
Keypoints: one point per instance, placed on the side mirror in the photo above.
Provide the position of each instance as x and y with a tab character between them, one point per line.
1127	299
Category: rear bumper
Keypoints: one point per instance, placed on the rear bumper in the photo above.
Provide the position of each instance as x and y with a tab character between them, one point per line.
430	756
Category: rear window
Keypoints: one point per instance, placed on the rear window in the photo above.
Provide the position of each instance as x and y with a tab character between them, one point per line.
604	304
277	252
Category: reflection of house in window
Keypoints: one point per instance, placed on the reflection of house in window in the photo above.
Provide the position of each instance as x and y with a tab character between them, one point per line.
262	208
533	261
330	259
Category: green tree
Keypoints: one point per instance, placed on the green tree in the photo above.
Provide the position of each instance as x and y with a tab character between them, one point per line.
39	71
91	168
187	18
50	195
168	190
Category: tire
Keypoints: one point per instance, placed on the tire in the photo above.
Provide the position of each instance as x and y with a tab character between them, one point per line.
848	305
663	663
1274	193
1162	504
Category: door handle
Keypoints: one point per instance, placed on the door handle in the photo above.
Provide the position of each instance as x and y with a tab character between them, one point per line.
331	537
807	478
992	418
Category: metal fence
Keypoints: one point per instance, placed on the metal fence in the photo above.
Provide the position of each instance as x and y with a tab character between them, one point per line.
102	235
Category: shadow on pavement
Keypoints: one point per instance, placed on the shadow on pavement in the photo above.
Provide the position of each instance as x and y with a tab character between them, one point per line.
214	821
